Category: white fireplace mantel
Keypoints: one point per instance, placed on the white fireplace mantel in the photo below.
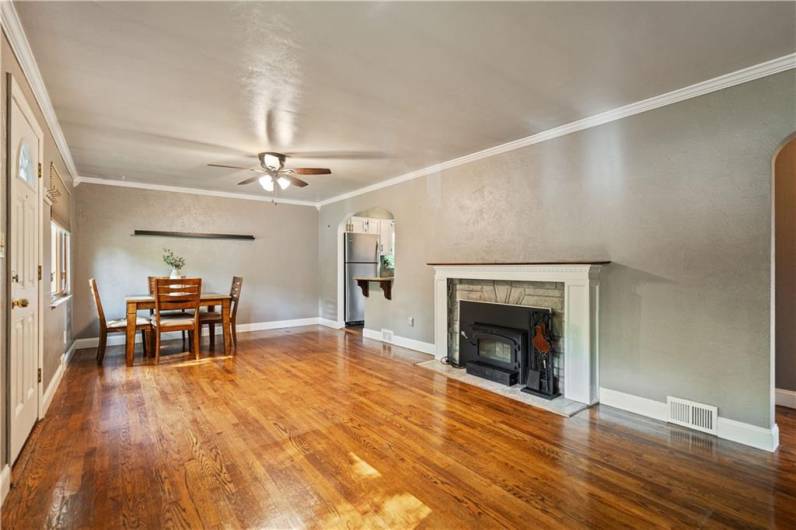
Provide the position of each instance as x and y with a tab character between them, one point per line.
581	313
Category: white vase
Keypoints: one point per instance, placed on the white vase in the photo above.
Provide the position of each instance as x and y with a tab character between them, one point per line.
175	273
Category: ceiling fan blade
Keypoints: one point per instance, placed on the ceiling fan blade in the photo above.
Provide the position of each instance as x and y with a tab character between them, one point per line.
234	167
338	155
248	180
311	171
288	174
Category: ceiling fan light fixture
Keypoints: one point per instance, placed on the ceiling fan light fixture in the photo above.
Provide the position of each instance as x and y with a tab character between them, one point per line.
266	182
272	172
271	161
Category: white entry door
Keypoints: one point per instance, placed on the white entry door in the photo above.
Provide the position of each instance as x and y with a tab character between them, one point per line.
24	155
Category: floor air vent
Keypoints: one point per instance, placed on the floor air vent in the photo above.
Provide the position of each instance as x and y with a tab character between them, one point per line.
692	414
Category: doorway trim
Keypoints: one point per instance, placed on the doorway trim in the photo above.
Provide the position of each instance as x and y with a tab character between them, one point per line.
15	93
774	391
44	299
340	320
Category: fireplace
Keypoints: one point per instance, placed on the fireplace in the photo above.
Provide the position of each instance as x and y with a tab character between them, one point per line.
571	289
499	346
496	352
509	344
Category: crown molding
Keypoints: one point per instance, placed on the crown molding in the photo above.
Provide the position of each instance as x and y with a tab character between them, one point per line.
193	191
758	71
21	47
721	82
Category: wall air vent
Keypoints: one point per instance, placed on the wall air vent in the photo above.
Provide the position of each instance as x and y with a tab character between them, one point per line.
386	335
692	414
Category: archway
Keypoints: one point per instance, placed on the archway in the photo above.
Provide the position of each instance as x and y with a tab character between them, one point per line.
365	247
784	276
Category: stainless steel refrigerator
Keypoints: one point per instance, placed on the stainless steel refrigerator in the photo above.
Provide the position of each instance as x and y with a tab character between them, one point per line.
361	259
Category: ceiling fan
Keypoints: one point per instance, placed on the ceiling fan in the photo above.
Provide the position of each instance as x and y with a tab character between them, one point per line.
272	171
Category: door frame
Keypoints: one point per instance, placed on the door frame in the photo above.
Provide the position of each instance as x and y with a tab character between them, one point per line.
773	286
340	274
41	197
14	93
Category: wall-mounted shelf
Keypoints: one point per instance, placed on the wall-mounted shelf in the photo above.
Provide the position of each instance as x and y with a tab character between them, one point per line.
494	263
193	235
385	283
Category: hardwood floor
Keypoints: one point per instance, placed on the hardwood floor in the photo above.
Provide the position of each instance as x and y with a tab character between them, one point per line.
312	427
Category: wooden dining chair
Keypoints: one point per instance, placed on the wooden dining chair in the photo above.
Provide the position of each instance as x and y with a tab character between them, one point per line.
177	309
211	318
151	282
118	325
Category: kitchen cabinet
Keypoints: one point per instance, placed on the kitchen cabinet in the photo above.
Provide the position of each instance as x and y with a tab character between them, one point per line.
364	225
387	237
384	228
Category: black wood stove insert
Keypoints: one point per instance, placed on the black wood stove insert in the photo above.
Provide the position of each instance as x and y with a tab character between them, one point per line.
508	344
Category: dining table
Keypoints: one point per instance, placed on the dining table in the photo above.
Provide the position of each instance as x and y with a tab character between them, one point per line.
138	303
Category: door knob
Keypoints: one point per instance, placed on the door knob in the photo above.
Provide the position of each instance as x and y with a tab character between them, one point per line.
20	302
15	278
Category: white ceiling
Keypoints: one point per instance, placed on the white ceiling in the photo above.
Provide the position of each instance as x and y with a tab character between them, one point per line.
152	92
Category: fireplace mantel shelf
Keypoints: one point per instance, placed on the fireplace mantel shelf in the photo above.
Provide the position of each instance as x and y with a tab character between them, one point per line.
498	263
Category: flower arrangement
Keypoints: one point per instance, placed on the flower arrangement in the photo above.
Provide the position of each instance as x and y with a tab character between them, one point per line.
172	260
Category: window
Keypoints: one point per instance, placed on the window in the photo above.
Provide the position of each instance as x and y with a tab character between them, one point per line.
25	166
60	254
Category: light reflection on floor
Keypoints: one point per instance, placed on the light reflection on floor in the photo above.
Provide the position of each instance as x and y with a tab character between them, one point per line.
362	468
396	511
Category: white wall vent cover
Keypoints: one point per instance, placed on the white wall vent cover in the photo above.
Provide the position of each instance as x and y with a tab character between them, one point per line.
386	335
692	414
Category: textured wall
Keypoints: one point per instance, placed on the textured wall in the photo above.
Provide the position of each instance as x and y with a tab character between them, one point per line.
279	267
785	185
679	198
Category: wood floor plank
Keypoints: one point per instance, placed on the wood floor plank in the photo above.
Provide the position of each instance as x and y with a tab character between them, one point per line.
315	428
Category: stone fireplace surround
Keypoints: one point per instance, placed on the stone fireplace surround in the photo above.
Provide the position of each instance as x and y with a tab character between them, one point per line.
537	284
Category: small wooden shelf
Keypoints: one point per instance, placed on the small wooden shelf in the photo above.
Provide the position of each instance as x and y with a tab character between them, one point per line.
481	263
385	283
193	235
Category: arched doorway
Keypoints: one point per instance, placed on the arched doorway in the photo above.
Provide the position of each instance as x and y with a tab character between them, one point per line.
365	247
784	274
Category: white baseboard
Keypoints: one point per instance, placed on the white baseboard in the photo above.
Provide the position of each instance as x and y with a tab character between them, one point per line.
635	404
403	342
49	393
5	483
277	324
747	434
412	344
334	324
82	344
69	353
736	431
371	334
786	398
118	339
